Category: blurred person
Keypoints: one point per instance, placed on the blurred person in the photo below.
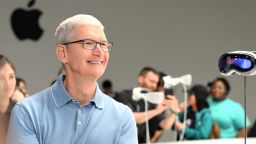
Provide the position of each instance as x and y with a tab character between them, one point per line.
74	109
60	72
226	113
108	88
160	88
199	121
8	95
21	85
17	96
252	130
147	78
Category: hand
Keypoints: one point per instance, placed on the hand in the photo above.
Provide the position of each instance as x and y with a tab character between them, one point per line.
182	107
179	126
161	107
172	103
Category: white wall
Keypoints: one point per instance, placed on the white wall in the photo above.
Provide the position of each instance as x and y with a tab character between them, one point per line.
174	36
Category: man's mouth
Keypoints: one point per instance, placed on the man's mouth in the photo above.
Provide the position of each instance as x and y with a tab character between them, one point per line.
95	62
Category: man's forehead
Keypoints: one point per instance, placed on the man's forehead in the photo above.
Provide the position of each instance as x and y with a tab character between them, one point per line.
152	75
89	31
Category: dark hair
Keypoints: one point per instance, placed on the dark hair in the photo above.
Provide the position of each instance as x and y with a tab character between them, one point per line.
225	83
145	70
18	80
201	93
4	60
167	91
106	84
161	81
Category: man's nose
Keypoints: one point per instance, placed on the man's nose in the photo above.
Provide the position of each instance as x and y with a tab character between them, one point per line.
97	51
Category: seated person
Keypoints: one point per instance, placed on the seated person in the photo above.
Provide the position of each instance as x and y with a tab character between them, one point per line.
228	114
147	78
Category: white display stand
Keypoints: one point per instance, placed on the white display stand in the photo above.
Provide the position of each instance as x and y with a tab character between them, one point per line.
219	141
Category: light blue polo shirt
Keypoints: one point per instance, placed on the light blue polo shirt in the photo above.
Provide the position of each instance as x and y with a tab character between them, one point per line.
53	117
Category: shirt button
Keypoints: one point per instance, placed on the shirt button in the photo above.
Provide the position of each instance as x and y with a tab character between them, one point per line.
79	111
79	122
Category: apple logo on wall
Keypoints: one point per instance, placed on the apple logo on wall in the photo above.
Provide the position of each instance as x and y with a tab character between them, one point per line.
25	23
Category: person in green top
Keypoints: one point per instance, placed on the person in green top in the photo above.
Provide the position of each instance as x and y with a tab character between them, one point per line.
226	113
199	121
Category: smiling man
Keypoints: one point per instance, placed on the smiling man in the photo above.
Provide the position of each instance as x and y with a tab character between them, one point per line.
74	110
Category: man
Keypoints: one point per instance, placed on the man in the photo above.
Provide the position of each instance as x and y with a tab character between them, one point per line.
74	110
147	78
107	87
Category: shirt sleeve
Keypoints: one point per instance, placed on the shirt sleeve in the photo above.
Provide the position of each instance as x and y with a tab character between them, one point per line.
129	129
201	131
21	130
238	118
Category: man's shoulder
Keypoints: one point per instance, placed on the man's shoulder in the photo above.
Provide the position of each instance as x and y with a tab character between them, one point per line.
36	100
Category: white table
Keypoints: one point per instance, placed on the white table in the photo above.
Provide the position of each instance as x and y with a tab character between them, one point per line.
218	141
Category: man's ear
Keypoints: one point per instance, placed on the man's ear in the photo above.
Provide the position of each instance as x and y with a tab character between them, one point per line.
140	80
61	53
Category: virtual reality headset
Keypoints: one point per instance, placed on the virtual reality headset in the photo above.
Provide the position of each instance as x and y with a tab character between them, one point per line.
238	62
143	93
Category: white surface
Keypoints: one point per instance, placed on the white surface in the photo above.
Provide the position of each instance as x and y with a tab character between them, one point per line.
223	141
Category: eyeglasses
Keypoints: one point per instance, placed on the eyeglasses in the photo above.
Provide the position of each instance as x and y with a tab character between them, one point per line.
90	44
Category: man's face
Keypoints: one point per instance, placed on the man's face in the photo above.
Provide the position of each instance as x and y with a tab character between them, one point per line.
149	81
218	90
89	63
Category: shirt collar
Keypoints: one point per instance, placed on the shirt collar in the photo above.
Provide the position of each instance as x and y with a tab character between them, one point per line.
98	98
61	96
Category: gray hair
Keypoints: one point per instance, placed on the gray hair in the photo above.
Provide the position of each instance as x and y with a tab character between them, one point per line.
66	28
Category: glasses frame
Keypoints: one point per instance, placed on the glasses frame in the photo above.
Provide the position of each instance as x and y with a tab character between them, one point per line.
96	42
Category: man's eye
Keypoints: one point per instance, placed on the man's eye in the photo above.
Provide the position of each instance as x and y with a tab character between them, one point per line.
103	44
88	43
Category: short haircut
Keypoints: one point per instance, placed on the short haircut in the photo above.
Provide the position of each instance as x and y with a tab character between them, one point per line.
66	29
145	70
4	60
161	80
222	80
106	84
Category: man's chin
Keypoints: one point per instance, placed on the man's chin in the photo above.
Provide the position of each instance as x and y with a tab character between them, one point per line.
97	74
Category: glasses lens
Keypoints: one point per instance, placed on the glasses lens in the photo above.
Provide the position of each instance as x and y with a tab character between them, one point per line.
89	44
106	46
243	63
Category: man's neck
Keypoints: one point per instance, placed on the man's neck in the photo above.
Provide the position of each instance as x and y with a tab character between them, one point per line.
80	88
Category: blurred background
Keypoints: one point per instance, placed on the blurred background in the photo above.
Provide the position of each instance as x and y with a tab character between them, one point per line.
174	36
